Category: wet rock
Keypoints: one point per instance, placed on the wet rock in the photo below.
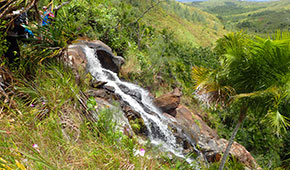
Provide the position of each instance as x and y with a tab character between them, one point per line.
109	75
135	119
194	122
130	113
133	93
1	84
147	110
75	56
107	58
119	61
183	141
101	93
138	97
97	84
1	81
155	131
97	44
109	88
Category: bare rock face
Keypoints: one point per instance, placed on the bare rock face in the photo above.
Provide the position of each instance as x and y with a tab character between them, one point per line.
208	141
169	102
107	58
75	56
240	152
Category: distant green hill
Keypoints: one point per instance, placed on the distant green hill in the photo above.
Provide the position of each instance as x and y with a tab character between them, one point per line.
255	17
189	24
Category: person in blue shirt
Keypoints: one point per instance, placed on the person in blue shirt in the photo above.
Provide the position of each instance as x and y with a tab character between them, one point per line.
18	30
46	17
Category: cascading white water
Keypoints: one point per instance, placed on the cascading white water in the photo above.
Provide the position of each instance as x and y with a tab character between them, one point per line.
156	124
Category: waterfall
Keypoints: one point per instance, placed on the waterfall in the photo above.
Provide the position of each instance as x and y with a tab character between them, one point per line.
156	123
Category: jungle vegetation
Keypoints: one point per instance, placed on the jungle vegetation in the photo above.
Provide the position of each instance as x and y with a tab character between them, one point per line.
166	44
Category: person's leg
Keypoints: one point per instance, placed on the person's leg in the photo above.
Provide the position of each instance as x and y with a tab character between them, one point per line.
13	51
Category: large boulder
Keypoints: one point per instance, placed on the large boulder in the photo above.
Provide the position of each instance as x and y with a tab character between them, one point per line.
169	102
208	141
76	58
240	152
105	55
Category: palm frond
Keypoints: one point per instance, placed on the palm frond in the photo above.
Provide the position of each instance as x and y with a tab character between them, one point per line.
252	69
208	88
269	91
280	35
277	121
234	47
200	76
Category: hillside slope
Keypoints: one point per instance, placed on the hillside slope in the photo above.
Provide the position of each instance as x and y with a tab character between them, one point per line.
188	23
256	17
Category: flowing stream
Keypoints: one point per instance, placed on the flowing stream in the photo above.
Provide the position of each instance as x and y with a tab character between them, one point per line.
156	123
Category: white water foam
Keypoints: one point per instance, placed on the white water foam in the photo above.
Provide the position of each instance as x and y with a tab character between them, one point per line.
165	138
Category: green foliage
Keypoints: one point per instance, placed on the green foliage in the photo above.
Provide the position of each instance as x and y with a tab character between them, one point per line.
285	150
3	43
170	62
92	103
71	20
106	125
136	125
256	137
43	144
72	25
59	79
184	12
231	165
256	17
158	60
252	70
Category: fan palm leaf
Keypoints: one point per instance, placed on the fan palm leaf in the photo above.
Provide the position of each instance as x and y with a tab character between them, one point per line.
208	89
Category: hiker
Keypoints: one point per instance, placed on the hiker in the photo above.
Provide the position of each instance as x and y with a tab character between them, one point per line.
46	17
17	31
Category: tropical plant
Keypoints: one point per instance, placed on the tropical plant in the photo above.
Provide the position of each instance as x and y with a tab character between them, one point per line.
253	73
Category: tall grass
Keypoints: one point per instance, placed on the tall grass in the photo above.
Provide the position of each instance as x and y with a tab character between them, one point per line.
36	136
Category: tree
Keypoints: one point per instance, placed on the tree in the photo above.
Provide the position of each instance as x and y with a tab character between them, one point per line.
253	72
8	6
